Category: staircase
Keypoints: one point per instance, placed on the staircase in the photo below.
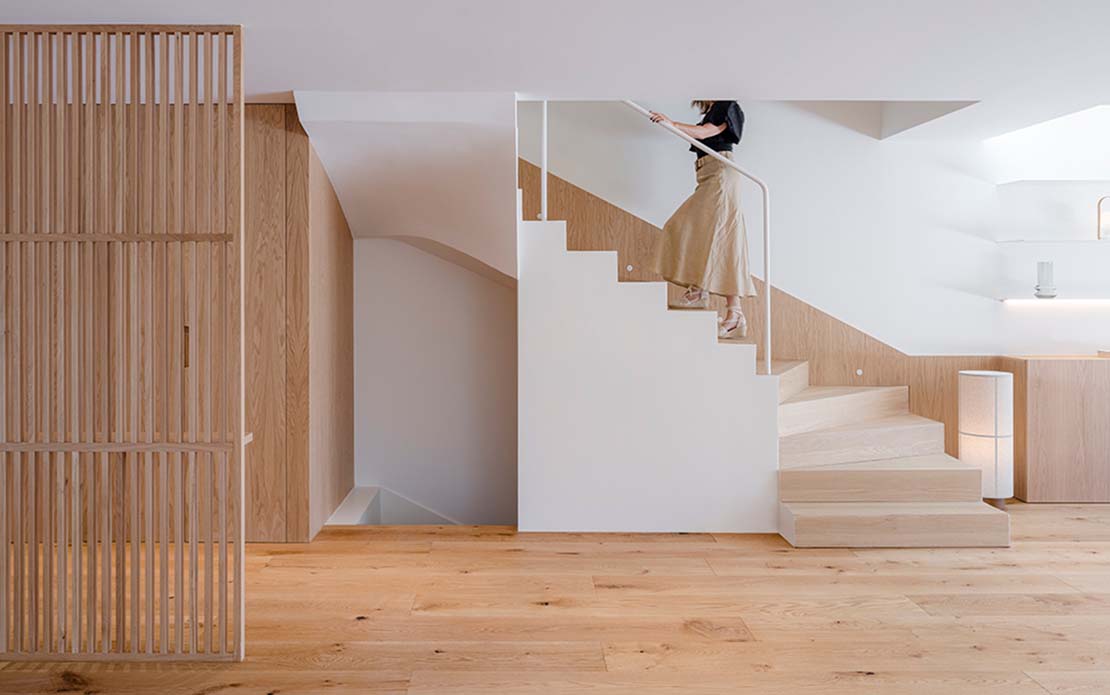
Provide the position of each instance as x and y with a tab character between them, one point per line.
632	417
856	469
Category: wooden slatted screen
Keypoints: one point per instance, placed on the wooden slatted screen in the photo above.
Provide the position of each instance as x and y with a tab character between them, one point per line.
121	417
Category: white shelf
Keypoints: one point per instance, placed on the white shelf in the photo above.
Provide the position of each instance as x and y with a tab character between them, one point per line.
1070	301
1054	241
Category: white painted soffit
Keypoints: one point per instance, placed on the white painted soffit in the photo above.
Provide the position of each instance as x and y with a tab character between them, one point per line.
436	170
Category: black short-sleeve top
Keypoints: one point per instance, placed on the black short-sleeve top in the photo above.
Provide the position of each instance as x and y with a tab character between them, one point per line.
728	114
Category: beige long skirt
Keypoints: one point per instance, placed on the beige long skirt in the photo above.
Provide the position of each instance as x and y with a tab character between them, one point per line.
705	243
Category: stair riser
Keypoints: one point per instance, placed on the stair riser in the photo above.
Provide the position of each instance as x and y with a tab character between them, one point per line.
896	531
822	413
880	486
826	448
793	381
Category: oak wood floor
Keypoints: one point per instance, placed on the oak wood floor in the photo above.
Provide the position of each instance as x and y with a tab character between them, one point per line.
467	610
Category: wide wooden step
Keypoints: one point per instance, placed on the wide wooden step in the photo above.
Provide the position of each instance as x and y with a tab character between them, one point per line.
793	376
932	478
871	440
893	525
821	407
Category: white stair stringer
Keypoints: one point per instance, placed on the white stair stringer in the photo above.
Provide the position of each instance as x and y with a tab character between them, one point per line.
633	417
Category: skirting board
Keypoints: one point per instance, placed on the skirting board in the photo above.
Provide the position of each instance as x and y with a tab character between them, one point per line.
373	506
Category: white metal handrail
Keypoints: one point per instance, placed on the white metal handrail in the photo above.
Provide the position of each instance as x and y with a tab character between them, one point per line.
766	224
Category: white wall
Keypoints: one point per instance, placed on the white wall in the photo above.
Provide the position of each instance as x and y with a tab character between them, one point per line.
894	237
435	383
438	167
633	417
1073	147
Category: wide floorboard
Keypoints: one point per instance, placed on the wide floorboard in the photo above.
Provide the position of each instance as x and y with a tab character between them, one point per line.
485	609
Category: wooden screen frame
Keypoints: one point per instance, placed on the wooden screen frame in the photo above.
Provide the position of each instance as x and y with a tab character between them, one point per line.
122	227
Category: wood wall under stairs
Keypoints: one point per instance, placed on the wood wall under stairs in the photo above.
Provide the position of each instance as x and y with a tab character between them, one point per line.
834	349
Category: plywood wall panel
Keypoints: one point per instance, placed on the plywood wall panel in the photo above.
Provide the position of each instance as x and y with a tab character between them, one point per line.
1062	439
301	332
331	354
265	321
297	326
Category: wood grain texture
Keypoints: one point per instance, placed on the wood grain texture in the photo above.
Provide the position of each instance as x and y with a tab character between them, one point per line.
299	294
265	336
834	350
1061	435
297	327
485	609
103	361
894	524
331	350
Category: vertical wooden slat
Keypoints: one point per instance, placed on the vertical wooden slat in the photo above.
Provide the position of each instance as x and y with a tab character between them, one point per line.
235	278
18	341
164	204
75	496
4	460
105	552
217	346
68	155
179	546
5	353
42	338
148	541
135	524
51	337
5	178
163	549
17	515
172	389
221	493
194	578
34	151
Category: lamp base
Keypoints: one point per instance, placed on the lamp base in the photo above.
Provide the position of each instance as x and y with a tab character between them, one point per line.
998	503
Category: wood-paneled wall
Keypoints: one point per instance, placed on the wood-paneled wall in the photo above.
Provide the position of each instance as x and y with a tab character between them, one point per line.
834	349
121	441
330	352
299	336
1061	428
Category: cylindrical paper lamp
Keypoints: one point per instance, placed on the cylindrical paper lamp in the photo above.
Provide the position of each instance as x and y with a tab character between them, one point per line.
987	430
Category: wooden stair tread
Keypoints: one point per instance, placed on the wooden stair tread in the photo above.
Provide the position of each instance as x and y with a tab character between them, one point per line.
930	478
890	421
824	407
926	462
835	509
893	524
895	436
816	393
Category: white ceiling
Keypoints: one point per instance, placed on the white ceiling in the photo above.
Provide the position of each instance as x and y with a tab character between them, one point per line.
1024	60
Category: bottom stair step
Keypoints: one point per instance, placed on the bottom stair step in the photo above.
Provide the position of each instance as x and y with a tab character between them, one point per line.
893	525
930	478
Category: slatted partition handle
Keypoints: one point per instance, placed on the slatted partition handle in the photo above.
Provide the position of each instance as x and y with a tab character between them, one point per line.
121	456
